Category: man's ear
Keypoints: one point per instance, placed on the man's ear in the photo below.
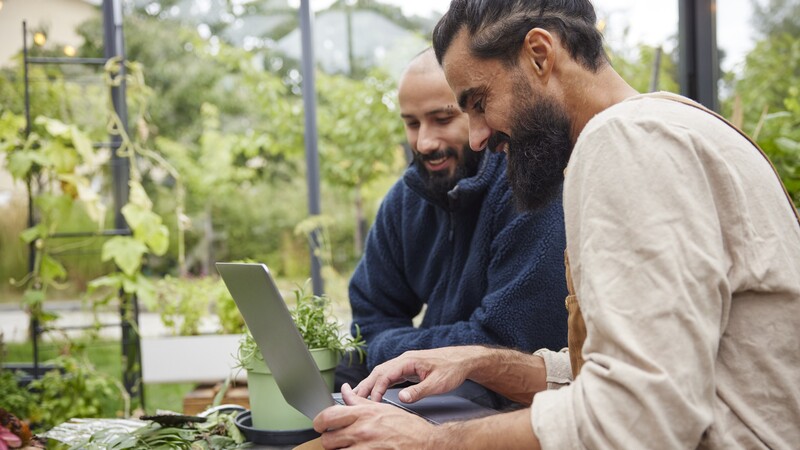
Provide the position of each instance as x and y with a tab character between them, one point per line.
539	50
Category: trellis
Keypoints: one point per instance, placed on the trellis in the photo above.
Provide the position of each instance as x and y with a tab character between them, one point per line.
114	49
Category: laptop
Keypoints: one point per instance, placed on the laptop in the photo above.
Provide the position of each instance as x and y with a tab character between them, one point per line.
296	374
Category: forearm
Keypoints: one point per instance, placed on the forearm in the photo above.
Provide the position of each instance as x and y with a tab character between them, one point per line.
508	431
515	375
391	342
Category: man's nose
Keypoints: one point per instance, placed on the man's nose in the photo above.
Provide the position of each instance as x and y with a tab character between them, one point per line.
427	140
479	133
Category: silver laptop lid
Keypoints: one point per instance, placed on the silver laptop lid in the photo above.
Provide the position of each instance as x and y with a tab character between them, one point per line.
274	331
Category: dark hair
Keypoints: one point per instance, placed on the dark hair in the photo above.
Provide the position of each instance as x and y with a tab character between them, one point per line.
497	28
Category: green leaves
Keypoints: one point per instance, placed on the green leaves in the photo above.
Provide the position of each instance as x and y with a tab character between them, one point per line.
126	252
75	391
146	225
79	187
359	127
51	270
33	233
21	163
313	316
217	433
770	98
147	228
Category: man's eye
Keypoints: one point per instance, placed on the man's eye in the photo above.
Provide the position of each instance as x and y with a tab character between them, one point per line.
478	106
444	120
412	125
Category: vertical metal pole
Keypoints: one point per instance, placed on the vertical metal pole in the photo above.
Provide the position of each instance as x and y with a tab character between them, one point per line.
27	88
351	60
114	47
699	58
312	153
656	69
31	220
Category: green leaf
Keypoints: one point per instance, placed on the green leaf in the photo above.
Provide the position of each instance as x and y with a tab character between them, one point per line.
158	241
33	297
55	208
11	124
92	203
82	144
20	163
146	291
51	270
147	227
113	281
138	196
47	317
126	252
788	145
54	127
135	215
33	233
63	158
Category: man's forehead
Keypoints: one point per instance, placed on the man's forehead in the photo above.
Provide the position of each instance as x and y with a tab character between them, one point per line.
457	54
437	109
458	63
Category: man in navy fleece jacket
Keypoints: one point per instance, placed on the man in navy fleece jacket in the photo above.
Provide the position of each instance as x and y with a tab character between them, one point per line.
448	236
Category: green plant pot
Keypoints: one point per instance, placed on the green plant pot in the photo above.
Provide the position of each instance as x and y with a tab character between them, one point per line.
267	405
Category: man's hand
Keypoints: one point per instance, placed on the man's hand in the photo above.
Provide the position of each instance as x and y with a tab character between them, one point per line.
366	424
513	374
437	371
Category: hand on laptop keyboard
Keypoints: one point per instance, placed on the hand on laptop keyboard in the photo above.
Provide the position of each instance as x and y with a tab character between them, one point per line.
437	371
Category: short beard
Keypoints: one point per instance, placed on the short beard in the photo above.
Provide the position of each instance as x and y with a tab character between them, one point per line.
539	149
439	183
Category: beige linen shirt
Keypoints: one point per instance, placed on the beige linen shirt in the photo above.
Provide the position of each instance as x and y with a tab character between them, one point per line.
685	255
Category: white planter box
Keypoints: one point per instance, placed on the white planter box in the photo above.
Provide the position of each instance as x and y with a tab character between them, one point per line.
190	359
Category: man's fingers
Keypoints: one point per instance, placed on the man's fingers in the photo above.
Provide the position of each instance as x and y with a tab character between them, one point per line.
335	439
363	388
407	395
333	418
429	386
350	397
413	393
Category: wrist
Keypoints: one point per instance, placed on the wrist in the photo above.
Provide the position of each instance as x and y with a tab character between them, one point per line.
480	362
438	438
513	374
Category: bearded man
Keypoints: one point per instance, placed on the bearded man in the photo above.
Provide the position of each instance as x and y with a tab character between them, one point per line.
449	238
683	259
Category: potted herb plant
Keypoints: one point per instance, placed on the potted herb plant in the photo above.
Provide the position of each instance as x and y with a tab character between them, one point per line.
314	319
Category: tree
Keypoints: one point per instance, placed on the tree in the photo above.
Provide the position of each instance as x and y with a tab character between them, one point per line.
766	98
769	94
638	70
776	17
361	134
182	69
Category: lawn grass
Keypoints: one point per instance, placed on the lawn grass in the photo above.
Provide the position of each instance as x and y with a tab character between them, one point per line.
106	357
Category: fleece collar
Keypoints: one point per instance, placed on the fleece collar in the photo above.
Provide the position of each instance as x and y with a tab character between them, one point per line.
467	191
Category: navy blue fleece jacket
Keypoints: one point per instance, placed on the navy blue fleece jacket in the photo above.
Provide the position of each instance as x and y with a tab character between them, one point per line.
488	274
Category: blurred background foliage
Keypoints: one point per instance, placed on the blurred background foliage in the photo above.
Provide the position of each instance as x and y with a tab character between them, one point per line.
226	112
221	103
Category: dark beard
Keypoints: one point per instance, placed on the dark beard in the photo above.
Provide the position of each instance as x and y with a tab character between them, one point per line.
439	183
538	152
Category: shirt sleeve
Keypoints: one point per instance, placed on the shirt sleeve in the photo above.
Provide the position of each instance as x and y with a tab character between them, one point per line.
557	366
649	266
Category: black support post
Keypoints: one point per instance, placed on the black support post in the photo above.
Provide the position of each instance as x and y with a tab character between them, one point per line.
114	47
699	58
312	153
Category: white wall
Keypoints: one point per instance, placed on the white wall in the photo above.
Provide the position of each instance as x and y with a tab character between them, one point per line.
58	17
